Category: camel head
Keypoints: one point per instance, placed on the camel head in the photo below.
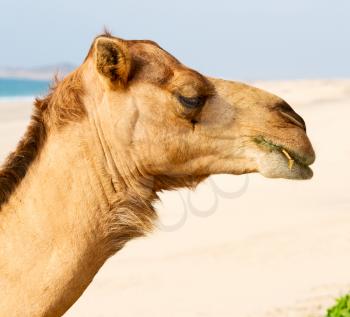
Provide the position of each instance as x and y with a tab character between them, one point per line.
168	121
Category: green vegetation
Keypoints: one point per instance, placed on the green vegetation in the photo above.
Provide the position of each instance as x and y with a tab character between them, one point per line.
262	141
341	309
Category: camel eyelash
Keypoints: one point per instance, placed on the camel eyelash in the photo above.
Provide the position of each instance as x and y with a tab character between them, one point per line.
193	102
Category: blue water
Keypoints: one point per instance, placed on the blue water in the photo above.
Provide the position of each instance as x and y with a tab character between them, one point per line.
12	88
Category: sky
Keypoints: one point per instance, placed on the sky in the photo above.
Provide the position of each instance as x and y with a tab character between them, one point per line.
247	39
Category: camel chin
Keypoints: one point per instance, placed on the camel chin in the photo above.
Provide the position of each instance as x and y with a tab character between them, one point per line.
275	165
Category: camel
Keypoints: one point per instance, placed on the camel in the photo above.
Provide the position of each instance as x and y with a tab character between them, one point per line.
129	122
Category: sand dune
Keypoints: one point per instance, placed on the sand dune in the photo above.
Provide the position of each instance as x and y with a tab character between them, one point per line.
275	248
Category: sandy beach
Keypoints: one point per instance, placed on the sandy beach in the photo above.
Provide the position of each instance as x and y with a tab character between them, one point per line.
239	246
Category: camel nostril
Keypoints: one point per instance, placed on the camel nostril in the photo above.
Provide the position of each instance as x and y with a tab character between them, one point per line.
288	113
294	118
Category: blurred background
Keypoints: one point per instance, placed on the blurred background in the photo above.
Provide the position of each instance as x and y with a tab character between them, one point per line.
245	40
269	247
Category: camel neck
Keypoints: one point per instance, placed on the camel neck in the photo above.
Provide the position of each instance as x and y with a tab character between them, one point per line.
60	225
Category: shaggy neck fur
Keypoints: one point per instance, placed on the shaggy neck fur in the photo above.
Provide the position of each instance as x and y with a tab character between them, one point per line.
63	104
65	204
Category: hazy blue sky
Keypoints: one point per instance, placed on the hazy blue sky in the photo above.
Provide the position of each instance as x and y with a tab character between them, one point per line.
248	39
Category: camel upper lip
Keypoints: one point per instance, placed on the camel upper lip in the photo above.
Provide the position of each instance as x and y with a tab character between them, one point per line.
300	159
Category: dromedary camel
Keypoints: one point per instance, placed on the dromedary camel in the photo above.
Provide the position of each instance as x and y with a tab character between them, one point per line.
129	122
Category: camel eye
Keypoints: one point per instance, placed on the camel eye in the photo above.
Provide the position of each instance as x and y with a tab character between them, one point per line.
193	103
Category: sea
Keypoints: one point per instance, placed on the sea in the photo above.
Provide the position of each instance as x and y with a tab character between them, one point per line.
18	89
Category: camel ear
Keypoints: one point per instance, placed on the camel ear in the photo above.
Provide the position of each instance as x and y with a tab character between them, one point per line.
112	60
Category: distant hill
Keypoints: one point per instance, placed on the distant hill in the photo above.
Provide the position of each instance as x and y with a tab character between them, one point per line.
39	73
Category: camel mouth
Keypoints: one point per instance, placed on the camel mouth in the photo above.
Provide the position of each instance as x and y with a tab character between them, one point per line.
278	161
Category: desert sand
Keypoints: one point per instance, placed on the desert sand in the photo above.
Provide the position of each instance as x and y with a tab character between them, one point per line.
239	246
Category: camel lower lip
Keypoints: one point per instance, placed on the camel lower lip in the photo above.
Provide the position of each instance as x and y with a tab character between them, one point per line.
275	165
277	162
290	155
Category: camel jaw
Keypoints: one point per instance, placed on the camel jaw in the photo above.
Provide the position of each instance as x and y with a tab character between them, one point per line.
275	161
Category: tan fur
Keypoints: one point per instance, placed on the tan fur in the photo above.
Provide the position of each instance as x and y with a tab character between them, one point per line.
129	122
62	105
19	161
112	61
